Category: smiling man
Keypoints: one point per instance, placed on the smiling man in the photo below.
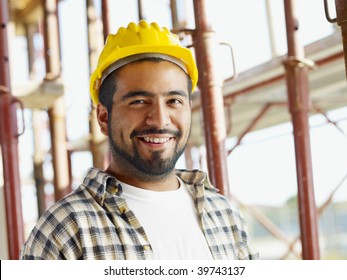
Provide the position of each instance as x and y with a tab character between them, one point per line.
149	123
141	207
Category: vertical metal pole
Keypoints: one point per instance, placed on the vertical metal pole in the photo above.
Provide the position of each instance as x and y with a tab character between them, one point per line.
60	159
178	14
39	177
105	18
37	130
61	165
212	100
140	9
174	14
51	39
95	41
106	29
29	32
298	98
9	145
341	17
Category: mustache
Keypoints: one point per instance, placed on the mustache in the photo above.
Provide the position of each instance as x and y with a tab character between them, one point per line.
146	131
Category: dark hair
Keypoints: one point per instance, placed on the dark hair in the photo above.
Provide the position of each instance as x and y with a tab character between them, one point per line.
107	90
109	86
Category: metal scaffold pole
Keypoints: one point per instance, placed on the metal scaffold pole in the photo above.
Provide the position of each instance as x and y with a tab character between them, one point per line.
140	9
105	18
9	145
299	103
341	19
57	120
174	14
341	12
95	42
211	99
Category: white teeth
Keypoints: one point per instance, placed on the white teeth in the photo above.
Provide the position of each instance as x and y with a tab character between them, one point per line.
156	140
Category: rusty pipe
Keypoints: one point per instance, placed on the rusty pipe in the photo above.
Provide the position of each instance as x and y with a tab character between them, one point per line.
341	16
9	146
341	20
211	99
105	19
299	105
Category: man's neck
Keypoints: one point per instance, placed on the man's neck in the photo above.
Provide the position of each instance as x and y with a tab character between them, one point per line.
166	182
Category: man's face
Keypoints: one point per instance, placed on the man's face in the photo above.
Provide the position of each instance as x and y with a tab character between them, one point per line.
151	117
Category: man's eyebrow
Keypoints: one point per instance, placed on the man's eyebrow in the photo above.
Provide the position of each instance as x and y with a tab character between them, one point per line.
177	92
132	94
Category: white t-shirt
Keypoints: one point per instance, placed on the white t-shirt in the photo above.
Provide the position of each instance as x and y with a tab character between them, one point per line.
170	221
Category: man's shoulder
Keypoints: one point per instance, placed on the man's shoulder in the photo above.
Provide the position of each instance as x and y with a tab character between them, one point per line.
57	227
88	196
66	207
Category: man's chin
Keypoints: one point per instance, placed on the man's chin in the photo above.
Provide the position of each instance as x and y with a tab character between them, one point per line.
156	166
151	174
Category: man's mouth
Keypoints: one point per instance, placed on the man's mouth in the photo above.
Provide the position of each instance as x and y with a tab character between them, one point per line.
156	140
155	135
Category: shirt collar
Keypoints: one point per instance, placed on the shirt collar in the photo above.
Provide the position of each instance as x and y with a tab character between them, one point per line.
195	177
99	183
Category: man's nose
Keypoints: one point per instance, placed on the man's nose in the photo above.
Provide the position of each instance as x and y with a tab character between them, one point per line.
158	116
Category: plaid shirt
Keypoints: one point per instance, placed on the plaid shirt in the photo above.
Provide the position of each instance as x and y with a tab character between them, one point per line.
94	222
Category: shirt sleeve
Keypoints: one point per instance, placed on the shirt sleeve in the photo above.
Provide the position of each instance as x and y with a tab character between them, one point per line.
55	237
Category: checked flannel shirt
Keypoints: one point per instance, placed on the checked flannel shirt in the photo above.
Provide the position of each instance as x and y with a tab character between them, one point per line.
94	222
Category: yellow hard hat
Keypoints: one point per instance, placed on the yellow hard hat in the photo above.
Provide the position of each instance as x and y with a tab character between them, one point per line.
138	41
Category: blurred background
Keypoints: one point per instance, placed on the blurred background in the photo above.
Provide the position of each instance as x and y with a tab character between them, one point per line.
269	114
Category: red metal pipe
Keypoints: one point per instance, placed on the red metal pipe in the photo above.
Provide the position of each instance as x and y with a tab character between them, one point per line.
254	122
9	146
318	63
299	103
328	59
234	94
341	18
105	18
229	97
211	100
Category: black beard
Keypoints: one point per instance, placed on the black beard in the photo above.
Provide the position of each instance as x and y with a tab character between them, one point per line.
152	169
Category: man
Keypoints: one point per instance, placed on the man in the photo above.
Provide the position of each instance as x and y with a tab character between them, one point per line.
140	207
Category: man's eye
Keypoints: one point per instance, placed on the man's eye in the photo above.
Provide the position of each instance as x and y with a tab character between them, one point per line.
135	102
175	101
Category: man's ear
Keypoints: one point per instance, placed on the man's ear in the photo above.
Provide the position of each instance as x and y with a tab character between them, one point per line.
102	116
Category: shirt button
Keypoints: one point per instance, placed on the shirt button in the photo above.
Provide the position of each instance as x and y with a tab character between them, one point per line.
114	190
146	247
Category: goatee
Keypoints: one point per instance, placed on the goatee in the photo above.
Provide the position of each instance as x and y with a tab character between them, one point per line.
153	168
